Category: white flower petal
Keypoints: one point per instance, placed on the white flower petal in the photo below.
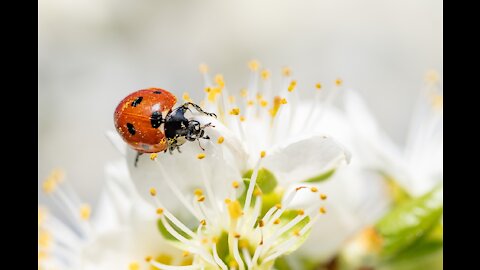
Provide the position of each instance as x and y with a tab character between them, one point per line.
115	204
117	248
117	141
305	159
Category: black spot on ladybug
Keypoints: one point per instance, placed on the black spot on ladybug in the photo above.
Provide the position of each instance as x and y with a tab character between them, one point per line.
156	119
137	101
131	129
157	92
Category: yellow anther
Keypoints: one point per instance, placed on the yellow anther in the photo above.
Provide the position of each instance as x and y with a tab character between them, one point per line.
213	92
231	99
338	82
234	209
261	223
134	266
276	221
186	97
201	156
244	93
44	239
198	192
185	253
236	235
153	156
253	65
323	210
159	211
153	191
203	222
201	198
265	74
318	86
250	102
49	185
257	192
286	71
220	140
242	118
214	239
278	206
292	85
283	101
235	111
296	232
277	101
263	154
432	76
85	211
203	68
263	103
437	101
148	258
300	212
235	184
227	201
313	189
219	80
259	96
207	89
323	196
205	240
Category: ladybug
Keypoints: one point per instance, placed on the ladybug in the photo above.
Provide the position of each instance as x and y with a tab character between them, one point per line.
148	123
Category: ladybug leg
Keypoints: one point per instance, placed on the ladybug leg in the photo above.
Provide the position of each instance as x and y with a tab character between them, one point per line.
200	145
136	158
198	108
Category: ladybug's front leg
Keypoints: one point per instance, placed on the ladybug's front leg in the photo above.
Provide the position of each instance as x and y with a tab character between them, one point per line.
198	108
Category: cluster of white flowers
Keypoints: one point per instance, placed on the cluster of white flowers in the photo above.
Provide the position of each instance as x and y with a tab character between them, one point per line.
256	193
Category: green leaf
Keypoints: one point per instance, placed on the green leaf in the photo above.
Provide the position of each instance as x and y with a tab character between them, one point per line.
410	221
428	245
320	178
430	256
266	180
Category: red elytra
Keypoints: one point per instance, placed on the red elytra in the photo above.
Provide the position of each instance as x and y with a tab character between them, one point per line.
138	119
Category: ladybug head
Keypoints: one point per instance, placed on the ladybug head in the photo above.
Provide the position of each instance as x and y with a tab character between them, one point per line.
179	129
195	131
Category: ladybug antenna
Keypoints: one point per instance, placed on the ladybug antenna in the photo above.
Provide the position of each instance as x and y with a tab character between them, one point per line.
200	145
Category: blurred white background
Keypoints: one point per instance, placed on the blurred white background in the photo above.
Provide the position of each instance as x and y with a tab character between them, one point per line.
94	52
